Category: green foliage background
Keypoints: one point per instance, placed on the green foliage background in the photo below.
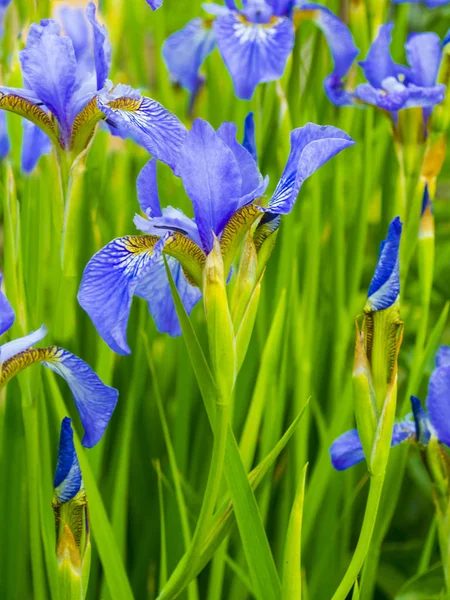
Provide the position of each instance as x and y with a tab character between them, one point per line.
145	479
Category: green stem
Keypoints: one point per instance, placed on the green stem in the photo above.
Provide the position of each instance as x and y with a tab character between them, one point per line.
188	563
365	536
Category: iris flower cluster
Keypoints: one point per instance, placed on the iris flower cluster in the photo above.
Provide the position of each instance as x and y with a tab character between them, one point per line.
66	93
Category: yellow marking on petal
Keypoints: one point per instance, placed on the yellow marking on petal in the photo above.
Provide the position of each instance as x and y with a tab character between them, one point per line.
434	159
189	255
84	126
126	103
273	21
11	367
136	244
304	15
28	110
426	223
235	230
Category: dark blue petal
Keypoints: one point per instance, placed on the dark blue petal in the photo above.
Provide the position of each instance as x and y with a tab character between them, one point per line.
35	143
336	92
346	450
424	54
4	137
109	282
443	357
211	178
421	421
150	125
147	190
438	404
49	68
102	47
281	8
379	64
338	36
249	136
154	4
311	147
155	288
94	400
6	313
253	53
68	481
385	286
426	201
185	50
171	220
250	175
14	347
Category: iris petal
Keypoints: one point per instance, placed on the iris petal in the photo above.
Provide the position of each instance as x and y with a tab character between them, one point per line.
443	357
424	54
379	64
49	67
35	143
249	136
148	123
211	178
171	219
4	137
147	190
155	288
68	481
102	47
438	405
311	147
154	4
185	50
253	53
94	400
109	282
6	313
14	347
385	285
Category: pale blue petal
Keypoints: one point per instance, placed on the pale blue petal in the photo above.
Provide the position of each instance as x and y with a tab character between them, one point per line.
154	4
107	287
384	288
424	54
253	53
102	47
443	357
215	9
185	50
211	178
438	402
68	481
35	143
94	400
171	220
155	288
311	147
379	64
14	347
147	190
6	313
75	26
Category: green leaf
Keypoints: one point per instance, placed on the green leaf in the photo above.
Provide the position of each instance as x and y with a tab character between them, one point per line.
428	586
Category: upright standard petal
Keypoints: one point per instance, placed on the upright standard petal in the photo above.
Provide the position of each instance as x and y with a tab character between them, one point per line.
424	54
68	481
148	123
311	147
249	136
379	64
185	50
155	288
75	25
253	53
443	357
147	190
211	178
154	4
6	313
109	283
385	285
49	67
102	47
35	143
421	421
94	400
14	347
4	137
438	404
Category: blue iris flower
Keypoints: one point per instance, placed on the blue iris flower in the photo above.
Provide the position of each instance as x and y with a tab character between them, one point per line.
154	4
255	42
66	93
68	481
221	178
391	86
94	400
347	450
429	3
